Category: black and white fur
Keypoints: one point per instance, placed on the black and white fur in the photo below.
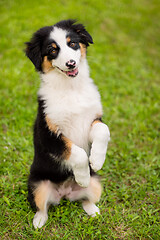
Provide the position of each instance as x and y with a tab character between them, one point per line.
70	140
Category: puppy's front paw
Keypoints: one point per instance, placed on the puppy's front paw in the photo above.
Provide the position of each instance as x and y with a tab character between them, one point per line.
80	166
81	170
81	178
99	137
96	161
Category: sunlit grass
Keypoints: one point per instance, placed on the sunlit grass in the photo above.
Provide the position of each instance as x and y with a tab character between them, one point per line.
124	63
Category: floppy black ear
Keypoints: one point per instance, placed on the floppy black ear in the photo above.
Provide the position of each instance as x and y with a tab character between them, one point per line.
33	52
85	37
34	47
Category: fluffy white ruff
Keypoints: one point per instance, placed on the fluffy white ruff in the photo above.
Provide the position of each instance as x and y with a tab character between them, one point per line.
71	103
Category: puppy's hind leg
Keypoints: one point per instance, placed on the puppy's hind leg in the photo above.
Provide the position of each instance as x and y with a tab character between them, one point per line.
93	195
43	196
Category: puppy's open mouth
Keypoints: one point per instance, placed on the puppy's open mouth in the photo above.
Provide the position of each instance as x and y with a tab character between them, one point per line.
72	73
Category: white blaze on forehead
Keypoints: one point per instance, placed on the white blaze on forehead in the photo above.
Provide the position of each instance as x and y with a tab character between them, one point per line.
59	36
66	53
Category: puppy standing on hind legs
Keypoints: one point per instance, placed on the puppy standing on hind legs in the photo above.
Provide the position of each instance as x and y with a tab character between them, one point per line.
70	141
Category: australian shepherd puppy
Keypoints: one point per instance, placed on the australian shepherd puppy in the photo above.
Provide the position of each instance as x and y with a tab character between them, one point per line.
70	140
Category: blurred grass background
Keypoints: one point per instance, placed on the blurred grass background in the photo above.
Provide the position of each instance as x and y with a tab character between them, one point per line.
124	63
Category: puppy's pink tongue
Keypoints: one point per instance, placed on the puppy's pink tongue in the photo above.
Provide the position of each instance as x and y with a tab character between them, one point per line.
73	72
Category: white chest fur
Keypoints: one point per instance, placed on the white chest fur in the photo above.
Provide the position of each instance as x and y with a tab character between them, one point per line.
72	104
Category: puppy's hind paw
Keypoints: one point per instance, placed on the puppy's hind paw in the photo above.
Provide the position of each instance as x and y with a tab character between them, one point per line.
39	219
90	208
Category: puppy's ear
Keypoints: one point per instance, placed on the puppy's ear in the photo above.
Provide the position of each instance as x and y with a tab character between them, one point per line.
33	52
34	47
85	37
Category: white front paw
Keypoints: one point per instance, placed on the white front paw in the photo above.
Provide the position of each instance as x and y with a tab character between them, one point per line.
96	161
81	170
80	166
39	219
98	155
99	138
82	177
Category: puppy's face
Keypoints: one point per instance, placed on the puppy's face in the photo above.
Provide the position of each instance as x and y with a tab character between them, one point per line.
63	51
59	48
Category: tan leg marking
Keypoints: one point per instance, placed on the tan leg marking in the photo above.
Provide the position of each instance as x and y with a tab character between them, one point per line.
97	120
47	65
96	190
41	195
52	127
68	145
83	49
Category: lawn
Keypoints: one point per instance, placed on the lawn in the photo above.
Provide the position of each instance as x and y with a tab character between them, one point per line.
125	65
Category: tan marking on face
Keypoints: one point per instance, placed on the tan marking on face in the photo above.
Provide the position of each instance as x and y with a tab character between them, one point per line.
54	45
52	127
68	145
83	49
96	189
47	65
68	39
41	195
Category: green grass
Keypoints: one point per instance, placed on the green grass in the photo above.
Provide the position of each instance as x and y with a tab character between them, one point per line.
124	64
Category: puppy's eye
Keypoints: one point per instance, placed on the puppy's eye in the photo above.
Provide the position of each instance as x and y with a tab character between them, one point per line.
72	44
54	51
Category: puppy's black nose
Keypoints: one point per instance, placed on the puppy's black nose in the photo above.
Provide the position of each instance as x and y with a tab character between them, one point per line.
71	64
